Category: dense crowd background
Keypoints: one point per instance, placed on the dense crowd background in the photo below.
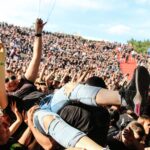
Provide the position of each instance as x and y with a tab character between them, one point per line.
68	57
68	54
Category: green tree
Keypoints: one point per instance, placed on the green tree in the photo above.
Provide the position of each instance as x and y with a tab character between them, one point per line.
140	46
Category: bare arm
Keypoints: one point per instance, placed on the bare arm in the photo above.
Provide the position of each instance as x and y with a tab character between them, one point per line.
82	77
3	97
33	68
42	73
49	76
34	145
24	139
18	121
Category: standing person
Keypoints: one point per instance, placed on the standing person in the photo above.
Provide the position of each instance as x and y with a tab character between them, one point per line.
25	86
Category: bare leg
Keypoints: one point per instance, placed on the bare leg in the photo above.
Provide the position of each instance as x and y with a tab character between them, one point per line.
88	144
83	142
103	97
108	97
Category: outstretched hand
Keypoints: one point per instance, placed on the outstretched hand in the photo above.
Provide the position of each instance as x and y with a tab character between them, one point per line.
39	26
30	115
129	136
15	110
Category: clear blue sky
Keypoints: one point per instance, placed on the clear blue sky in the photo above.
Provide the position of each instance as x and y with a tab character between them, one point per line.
113	20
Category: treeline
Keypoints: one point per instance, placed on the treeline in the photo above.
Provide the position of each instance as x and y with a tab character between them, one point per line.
140	46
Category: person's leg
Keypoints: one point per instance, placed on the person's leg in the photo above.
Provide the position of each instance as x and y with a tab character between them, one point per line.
108	97
136	92
52	125
89	95
92	95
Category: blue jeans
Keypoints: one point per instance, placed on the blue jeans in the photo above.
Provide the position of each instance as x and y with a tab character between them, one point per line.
58	129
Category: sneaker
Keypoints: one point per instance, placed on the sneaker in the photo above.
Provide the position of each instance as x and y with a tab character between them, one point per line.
136	92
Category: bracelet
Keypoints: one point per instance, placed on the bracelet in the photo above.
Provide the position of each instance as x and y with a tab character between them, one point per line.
2	63
38	34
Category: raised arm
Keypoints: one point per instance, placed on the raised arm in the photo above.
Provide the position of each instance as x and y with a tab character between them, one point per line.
18	121
82	77
33	68
42	73
49	76
3	97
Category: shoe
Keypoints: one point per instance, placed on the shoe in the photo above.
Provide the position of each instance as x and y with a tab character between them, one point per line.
136	92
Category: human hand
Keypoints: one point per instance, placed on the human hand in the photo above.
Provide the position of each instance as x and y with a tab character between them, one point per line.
15	111
39	26
30	115
69	87
128	136
24	116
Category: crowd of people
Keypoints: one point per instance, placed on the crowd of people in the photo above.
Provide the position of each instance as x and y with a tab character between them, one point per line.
84	100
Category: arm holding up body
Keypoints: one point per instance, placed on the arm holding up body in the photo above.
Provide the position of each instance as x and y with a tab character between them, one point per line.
3	97
33	68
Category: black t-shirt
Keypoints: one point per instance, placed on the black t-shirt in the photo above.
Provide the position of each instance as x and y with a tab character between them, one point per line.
26	94
124	120
94	121
24	88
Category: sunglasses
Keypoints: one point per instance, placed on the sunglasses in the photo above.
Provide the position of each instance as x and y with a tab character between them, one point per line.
12	78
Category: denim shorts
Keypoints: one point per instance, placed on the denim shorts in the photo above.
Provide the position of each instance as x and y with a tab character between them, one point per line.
63	133
58	129
81	93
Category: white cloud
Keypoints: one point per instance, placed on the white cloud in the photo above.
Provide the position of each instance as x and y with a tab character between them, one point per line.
142	12
18	11
142	1
119	29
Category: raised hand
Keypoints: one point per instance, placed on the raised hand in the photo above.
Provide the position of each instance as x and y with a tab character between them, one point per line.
16	112
24	116
69	87
39	26
128	136
30	114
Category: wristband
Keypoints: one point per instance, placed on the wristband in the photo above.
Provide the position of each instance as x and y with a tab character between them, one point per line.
38	34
